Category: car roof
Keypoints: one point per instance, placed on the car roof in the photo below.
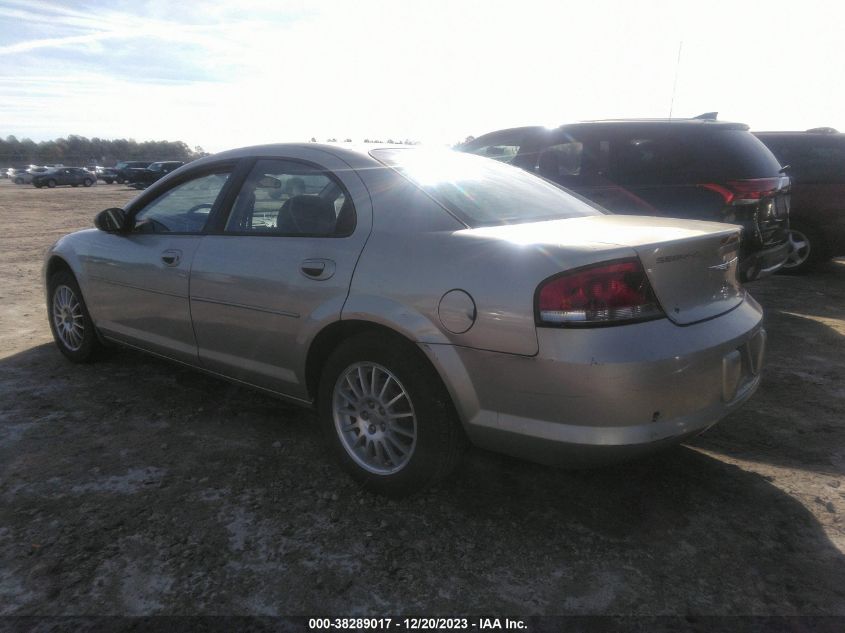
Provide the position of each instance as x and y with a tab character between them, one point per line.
630	125
827	132
344	151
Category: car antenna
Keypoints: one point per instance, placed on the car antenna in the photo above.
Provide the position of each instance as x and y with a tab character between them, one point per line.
675	82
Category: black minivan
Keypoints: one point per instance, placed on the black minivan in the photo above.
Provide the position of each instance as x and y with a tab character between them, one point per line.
698	168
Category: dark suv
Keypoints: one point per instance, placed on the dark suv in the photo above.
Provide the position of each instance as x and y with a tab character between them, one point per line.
815	162
141	178
687	168
124	169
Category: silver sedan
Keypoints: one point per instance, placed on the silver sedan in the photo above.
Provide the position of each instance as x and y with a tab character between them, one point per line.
420	300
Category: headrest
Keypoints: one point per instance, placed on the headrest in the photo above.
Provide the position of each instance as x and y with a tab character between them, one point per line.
311	214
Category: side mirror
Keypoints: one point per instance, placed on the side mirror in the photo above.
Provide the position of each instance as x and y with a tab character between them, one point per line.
111	220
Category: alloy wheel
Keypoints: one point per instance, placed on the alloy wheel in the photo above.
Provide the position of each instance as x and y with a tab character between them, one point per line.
374	418
68	318
799	249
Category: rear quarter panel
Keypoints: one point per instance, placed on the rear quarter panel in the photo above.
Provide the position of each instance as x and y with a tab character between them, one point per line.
417	252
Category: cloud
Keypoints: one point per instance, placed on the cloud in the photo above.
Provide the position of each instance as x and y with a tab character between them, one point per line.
261	71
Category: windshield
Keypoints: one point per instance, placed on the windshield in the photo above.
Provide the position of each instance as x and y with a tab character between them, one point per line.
483	192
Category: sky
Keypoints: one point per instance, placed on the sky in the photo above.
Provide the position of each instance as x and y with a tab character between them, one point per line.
228	74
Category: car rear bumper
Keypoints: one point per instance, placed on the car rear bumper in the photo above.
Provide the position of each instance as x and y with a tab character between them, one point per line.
603	394
762	263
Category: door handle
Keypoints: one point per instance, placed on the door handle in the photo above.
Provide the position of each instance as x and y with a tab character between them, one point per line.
318	269
171	257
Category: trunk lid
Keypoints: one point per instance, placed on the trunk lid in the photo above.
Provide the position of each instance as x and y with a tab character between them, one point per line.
691	265
694	278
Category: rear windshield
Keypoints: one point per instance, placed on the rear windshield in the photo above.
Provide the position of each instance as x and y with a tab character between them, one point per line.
483	192
679	159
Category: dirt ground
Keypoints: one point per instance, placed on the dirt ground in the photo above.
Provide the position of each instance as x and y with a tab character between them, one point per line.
134	486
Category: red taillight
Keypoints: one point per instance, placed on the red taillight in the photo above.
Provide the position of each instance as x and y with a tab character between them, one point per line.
600	294
747	190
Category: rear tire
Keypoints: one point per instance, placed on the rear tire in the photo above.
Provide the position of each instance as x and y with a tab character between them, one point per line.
71	325
807	250
51	183
87	182
386	416
18	181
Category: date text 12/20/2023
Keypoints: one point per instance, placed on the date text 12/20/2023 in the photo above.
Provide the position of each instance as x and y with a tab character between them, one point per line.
416	624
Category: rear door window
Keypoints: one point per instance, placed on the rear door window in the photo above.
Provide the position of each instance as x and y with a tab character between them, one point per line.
282	197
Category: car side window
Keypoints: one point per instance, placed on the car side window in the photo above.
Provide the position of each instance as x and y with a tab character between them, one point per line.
817	163
281	197
560	161
504	153
501	146
184	208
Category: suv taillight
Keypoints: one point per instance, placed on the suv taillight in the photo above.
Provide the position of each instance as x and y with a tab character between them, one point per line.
750	190
609	293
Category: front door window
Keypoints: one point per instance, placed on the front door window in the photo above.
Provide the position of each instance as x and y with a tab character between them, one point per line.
184	208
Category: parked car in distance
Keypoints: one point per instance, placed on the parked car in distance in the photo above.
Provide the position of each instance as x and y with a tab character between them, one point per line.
73	176
19	175
124	167
25	176
417	299
140	178
107	174
688	168
815	162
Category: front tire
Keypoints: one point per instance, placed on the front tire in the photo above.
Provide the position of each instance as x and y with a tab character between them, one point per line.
51	183
72	327
87	182
386	416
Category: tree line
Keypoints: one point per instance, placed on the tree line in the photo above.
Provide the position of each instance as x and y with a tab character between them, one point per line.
81	151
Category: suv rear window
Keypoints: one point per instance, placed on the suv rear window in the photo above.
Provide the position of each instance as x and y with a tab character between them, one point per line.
483	192
669	159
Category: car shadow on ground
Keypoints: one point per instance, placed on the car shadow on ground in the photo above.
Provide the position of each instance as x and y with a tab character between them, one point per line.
796	418
134	486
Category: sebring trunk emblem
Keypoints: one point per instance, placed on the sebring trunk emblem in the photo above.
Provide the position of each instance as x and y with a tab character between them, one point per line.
666	259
